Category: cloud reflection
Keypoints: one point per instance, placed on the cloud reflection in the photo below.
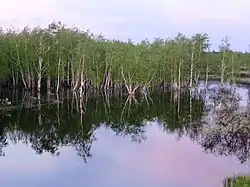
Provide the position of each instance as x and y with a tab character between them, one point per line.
159	161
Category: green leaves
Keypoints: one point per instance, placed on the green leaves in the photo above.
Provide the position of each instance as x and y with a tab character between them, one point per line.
143	63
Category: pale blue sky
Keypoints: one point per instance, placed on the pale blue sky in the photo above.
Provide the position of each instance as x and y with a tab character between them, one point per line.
138	19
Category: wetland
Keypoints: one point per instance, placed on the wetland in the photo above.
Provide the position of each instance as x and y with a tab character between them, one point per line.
79	109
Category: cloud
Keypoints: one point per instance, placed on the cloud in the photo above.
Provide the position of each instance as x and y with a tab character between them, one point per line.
137	19
89	12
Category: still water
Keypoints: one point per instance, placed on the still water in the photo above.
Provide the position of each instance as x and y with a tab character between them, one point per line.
191	139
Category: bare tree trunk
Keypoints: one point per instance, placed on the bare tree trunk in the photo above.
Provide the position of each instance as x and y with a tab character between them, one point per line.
20	66
179	75
33	85
197	76
58	75
48	84
82	82
207	73
29	81
233	70
13	78
68	73
222	68
129	86
76	79
39	74
81	103
191	68
24	83
72	78
104	78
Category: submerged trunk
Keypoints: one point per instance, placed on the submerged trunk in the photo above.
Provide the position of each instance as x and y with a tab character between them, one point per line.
131	90
129	86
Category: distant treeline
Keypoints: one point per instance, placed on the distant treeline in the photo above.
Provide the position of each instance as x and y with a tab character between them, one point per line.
61	56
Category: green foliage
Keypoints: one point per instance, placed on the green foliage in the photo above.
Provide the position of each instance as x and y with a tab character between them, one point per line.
144	64
241	181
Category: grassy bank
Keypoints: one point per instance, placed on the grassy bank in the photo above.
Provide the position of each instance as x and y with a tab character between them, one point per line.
240	181
243	181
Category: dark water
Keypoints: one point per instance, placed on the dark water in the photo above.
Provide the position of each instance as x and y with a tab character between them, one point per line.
178	140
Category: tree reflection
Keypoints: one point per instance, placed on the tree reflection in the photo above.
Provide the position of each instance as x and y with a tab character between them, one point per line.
211	118
227	132
48	126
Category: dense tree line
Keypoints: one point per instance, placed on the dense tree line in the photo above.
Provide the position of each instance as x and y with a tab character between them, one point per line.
58	55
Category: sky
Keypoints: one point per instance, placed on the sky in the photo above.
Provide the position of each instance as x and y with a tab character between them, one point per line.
138	19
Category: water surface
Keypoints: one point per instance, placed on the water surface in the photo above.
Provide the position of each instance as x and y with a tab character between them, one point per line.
171	140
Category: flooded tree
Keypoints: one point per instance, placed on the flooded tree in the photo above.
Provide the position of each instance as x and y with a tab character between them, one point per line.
58	56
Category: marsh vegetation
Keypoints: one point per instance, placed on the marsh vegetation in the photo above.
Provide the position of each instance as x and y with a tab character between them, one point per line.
239	181
59	57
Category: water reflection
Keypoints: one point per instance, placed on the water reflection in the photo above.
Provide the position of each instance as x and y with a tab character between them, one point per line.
227	132
89	123
49	126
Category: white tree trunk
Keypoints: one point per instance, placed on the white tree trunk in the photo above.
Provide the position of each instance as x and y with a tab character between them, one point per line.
58	75
39	74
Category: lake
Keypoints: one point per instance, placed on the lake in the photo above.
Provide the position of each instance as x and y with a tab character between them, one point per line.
178	139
